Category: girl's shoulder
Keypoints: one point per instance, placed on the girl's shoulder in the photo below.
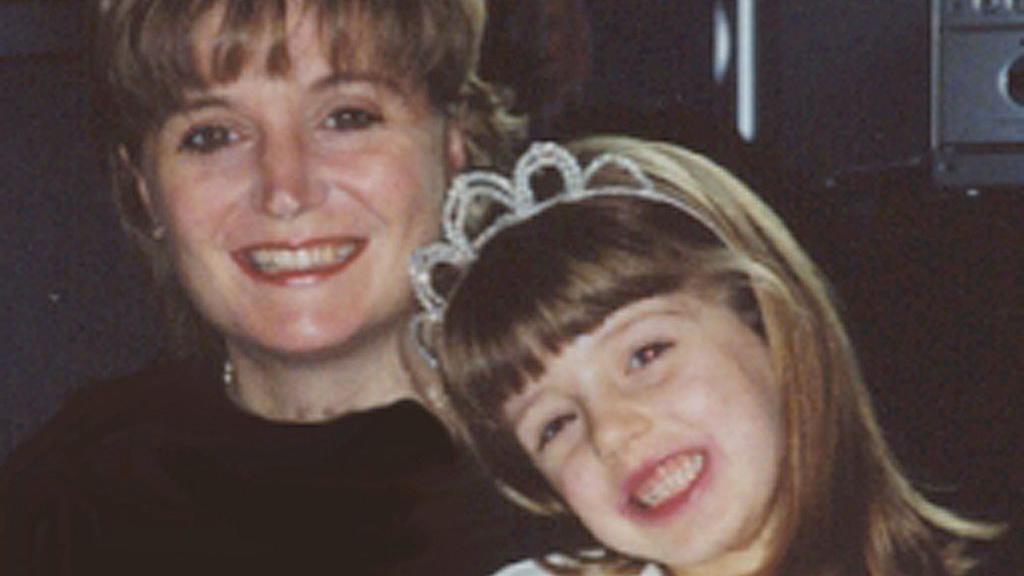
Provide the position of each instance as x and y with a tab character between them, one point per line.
523	568
532	567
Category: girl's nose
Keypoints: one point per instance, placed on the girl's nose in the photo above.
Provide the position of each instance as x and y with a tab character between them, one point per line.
286	188
614	424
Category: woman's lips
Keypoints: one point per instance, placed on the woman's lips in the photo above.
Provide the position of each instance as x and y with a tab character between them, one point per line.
300	263
662	487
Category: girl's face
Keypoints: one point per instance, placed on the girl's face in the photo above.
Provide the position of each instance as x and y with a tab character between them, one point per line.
663	429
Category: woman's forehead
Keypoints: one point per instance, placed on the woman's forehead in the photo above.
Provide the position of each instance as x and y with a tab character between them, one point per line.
270	43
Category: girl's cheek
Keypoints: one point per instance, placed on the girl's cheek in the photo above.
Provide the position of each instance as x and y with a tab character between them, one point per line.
690	401
579	479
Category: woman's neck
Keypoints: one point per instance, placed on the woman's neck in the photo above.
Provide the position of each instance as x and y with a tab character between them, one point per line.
323	386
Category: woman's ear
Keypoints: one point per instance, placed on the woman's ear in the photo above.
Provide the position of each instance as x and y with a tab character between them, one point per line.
134	173
455	147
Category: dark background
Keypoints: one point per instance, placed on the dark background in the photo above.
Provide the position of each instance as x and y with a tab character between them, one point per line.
71	306
929	279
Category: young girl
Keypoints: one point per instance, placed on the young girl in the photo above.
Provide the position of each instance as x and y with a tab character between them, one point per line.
636	339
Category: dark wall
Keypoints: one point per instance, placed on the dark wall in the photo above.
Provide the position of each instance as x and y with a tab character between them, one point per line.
71	306
850	82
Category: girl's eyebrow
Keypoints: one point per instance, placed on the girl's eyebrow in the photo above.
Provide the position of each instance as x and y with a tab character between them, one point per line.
518	405
609	330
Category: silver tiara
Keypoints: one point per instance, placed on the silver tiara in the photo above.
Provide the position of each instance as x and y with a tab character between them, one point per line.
516	201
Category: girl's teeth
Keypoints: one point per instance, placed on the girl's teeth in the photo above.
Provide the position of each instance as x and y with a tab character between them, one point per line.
670	478
301	259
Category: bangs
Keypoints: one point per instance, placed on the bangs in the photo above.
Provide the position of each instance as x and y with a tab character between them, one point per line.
542	283
408	43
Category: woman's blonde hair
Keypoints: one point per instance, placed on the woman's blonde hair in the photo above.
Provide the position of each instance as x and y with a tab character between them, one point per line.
145	61
846	506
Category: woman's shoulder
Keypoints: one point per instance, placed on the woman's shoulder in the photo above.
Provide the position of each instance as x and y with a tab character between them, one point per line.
54	483
98	411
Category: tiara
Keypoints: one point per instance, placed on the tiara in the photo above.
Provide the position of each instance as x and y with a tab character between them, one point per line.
516	201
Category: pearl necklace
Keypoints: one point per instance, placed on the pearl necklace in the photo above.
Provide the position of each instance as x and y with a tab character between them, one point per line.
230	385
435	394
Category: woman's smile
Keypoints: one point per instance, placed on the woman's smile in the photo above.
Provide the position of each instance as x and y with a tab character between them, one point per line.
306	263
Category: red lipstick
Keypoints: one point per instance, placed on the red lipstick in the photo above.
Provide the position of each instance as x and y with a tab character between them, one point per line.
298	264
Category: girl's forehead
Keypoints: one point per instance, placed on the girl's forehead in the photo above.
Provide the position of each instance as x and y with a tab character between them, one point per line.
677	305
682	312
585	351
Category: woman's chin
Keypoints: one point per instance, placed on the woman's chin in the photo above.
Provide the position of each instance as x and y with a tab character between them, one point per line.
306	339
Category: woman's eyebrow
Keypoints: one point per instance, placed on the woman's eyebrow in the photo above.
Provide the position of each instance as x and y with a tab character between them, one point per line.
204	100
200	103
336	79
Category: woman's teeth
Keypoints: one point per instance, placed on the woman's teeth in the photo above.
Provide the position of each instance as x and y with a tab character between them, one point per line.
670	478
290	260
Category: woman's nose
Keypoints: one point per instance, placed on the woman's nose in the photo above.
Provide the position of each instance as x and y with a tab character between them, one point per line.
286	188
615	424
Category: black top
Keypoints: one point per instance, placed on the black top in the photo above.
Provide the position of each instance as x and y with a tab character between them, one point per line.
159	473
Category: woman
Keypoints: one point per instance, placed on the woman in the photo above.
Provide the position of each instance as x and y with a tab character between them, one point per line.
277	162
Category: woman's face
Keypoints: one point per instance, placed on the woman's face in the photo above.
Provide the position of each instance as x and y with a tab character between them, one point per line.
292	202
663	429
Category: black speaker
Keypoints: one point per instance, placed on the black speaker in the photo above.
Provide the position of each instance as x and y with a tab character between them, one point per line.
977	116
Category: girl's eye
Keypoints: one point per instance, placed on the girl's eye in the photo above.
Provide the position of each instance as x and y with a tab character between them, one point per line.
646	354
351	119
553	428
207	139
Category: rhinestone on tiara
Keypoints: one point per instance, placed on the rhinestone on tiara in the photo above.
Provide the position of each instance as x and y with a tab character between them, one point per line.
517	201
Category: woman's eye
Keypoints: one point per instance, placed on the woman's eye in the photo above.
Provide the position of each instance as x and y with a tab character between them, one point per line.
207	139
351	119
553	428
646	354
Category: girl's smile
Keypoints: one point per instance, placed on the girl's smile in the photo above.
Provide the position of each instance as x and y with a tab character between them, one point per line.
657	490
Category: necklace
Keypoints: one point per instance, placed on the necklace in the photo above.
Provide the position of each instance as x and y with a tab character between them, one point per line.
435	393
230	385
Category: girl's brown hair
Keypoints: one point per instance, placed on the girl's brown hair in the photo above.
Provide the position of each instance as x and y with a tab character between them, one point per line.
846	506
